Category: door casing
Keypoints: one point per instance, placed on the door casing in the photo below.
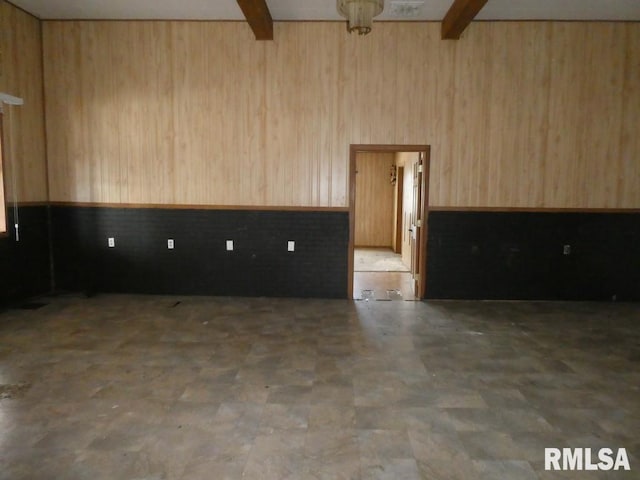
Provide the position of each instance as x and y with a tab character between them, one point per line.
354	149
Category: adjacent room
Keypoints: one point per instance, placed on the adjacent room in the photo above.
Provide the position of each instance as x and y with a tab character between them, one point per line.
352	239
387	215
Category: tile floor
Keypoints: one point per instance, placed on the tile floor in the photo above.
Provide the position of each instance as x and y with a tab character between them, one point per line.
137	387
380	275
368	259
383	286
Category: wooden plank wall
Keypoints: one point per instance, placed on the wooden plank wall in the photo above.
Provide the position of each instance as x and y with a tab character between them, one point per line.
374	200
3	210
23	127
518	114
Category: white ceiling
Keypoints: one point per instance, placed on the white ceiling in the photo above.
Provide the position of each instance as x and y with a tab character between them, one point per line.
326	9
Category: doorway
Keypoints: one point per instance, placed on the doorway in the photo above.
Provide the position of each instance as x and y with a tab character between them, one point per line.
388	207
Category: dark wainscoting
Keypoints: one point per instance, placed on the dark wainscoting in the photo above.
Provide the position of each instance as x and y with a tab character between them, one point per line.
25	268
259	265
519	255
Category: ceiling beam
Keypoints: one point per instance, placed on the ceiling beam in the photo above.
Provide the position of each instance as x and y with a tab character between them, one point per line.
259	18
459	16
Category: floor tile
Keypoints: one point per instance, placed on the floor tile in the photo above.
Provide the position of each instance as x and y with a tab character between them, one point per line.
165	387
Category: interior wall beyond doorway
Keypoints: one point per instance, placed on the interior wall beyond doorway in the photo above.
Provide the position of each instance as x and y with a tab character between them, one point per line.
374	199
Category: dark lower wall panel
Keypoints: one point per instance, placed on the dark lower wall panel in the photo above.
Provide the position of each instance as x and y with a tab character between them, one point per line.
520	255
259	265
25	265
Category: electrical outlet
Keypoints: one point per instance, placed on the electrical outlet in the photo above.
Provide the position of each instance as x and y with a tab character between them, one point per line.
170	243
566	250
291	246
229	245
111	242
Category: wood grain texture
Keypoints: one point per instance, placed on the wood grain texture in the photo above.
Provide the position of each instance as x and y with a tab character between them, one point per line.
23	126
374	200
627	186
459	16
259	208
519	114
3	210
534	210
258	17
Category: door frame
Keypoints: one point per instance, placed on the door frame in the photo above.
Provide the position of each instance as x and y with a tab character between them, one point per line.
354	149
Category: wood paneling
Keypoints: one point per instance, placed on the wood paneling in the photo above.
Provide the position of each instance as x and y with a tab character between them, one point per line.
538	210
3	210
627	186
582	162
23	126
183	206
374	200
518	114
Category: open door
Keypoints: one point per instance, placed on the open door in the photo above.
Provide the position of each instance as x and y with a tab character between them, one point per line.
416	220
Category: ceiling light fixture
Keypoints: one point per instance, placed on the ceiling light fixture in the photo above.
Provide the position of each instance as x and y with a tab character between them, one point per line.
360	13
